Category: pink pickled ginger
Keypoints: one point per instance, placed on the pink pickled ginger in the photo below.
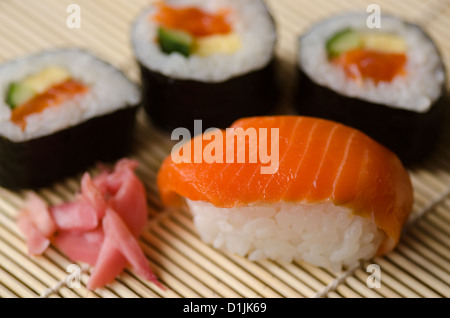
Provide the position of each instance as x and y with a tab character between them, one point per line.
101	227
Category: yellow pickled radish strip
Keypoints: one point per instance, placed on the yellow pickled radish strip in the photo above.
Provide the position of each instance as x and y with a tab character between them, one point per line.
224	44
45	79
384	42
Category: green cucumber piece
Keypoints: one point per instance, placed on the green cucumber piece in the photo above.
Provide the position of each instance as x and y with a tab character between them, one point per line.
175	41
18	94
343	41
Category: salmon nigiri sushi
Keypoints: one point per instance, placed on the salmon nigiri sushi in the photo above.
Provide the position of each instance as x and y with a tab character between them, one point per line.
333	197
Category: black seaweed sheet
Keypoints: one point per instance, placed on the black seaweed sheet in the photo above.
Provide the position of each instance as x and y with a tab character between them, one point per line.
412	136
172	103
41	161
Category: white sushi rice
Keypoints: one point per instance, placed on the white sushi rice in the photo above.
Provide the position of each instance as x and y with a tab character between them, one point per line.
250	20
322	234
415	92
109	90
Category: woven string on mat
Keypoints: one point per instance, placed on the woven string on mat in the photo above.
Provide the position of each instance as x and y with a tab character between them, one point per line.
332	286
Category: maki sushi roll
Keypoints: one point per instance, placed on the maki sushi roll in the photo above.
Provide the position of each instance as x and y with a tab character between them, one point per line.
61	111
211	60
336	197
388	82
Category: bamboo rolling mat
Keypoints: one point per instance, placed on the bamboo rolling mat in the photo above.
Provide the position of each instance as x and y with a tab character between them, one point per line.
419	267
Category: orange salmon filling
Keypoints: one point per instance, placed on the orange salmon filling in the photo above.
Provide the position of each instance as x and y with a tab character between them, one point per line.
194	21
54	96
378	66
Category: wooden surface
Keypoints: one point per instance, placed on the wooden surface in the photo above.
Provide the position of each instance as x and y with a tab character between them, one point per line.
419	267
